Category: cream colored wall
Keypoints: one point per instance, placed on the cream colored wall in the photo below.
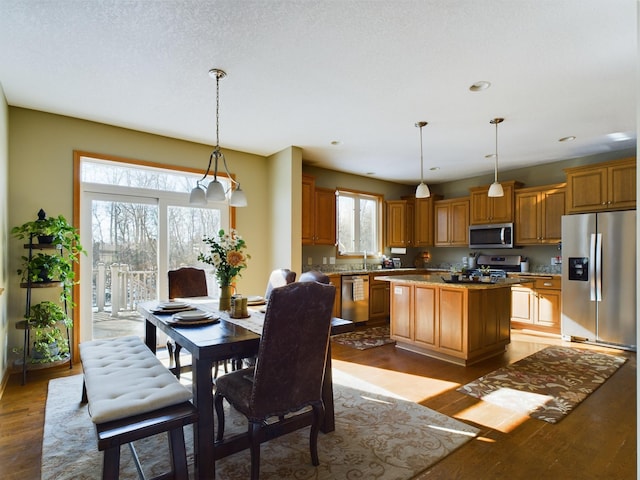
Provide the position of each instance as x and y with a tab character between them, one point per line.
4	210
40	164
285	187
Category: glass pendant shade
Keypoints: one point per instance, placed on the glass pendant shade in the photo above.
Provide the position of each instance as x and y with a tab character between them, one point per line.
238	198
197	197
215	191
423	191
495	190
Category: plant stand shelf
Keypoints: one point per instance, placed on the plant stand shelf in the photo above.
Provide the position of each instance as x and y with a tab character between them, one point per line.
27	362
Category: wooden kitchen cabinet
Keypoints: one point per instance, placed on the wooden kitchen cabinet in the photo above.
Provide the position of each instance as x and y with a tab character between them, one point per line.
336	281
537	305
398	224
423	230
451	223
318	214
538	214
602	186
485	209
410	222
459	325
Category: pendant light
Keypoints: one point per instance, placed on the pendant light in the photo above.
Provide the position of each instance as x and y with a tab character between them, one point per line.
215	191
422	191
495	190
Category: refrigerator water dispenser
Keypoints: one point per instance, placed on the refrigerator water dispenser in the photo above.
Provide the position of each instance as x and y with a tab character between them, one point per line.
579	268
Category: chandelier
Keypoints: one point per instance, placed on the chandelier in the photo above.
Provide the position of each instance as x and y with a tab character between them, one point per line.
215	190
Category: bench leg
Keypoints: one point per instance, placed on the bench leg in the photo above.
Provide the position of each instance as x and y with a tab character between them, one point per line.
111	463
178	453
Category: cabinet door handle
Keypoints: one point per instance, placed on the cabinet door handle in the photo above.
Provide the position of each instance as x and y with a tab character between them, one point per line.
548	284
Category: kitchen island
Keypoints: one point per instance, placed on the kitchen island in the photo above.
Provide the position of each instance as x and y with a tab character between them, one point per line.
462	323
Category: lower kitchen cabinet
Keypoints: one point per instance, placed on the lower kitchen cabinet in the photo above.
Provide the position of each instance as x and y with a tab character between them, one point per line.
337	304
537	305
459	325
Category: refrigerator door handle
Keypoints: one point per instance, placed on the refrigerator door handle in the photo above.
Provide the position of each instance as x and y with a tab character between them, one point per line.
592	267
598	272
502	235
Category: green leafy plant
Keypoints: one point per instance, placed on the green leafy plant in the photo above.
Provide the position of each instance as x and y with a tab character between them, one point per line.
58	229
54	266
49	342
485	270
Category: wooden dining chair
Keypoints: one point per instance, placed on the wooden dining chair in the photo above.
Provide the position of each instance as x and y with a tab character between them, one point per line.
315	276
185	282
279	278
288	375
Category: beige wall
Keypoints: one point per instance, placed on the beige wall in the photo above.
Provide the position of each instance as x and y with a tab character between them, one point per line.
40	162
4	209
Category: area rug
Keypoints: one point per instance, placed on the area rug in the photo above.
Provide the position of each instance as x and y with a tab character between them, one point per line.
377	436
548	384
363	339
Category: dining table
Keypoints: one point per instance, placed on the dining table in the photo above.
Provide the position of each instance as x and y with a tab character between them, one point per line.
220	339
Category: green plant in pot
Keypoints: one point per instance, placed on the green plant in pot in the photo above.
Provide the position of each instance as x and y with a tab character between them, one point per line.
51	230
49	342
51	263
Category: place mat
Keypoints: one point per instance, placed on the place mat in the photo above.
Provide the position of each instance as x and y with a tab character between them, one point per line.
548	384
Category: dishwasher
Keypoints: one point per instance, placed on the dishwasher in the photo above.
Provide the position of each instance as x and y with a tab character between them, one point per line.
355	298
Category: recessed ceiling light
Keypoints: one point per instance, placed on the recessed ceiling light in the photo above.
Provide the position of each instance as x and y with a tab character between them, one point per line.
336	142
479	86
570	138
433	169
490	155
371	173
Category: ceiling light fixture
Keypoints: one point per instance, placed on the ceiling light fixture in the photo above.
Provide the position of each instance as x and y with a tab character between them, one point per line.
422	191
495	190
570	138
215	191
479	86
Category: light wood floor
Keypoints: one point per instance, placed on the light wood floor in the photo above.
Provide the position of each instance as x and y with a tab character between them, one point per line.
596	441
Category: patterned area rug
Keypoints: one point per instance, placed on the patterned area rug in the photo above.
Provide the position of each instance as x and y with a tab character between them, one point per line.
377	436
548	384
363	339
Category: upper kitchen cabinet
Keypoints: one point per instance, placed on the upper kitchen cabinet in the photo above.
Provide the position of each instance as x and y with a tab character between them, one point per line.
318	214
399	223
423	221
451	222
603	186
485	209
538	214
410	222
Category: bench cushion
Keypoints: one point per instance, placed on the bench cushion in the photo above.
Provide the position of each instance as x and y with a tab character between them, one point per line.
124	378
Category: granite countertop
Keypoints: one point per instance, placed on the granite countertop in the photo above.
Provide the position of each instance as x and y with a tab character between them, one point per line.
438	280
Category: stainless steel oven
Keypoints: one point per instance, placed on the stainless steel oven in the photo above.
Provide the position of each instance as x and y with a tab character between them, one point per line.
498	235
355	298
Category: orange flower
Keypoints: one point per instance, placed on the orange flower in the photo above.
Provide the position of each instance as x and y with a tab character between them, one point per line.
235	258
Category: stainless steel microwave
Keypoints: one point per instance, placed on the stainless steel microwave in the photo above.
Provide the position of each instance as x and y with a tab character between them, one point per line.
491	236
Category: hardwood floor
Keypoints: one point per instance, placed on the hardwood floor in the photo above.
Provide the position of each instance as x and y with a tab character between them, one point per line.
596	441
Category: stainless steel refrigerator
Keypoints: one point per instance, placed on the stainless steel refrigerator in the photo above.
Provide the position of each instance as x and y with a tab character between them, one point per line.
599	278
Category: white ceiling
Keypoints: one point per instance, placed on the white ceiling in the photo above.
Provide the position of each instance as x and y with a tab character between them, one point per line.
307	73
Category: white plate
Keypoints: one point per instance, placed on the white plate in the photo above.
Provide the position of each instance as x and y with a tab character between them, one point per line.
255	300
172	305
192	315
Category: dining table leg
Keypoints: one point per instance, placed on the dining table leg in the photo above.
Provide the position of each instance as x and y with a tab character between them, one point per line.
203	433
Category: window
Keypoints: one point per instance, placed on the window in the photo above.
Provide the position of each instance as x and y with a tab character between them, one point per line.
359	220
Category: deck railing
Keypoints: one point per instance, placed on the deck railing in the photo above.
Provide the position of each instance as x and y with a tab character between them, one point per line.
122	289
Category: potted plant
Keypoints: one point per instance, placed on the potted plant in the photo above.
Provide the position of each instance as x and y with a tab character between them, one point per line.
49	342
456	270
56	266
51	230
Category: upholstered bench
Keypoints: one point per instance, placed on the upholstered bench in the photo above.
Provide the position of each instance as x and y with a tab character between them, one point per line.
131	396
